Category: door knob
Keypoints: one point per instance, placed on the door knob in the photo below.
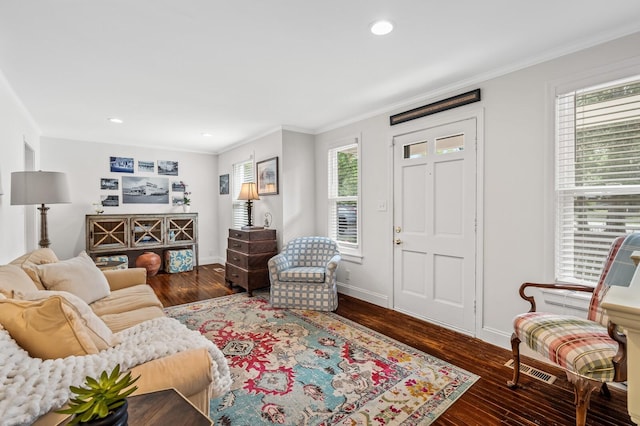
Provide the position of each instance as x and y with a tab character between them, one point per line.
398	241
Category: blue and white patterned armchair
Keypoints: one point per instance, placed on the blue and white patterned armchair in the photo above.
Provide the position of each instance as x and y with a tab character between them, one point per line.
303	275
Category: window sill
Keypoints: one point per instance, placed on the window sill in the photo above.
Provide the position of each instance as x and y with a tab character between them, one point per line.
351	257
568	299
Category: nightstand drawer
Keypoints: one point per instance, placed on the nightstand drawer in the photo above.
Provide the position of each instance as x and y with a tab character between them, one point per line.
256	234
246	261
236	275
266	246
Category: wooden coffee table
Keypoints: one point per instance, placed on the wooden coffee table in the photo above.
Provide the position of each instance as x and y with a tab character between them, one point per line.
165	407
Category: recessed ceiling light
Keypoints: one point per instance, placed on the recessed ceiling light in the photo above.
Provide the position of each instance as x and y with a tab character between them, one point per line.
381	27
206	135
115	120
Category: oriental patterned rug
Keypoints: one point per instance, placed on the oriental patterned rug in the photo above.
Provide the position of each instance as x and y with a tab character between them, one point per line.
298	367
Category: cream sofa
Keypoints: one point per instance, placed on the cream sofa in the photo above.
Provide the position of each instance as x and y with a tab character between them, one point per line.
39	282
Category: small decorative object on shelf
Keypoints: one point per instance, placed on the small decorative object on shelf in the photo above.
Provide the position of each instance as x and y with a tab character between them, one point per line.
267	219
98	208
186	201
150	261
102	401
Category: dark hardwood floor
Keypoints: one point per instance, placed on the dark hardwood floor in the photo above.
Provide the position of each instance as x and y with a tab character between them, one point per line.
488	402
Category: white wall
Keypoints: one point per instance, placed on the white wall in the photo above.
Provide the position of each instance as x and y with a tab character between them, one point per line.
297	184
293	208
86	162
16	126
518	197
371	280
259	149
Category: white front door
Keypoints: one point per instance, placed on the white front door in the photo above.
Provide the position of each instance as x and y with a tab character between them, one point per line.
434	224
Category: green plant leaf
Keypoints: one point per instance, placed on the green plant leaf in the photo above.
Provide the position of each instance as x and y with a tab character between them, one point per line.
100	396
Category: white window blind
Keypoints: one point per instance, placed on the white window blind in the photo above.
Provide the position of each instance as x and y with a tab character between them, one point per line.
242	172
597	175
344	195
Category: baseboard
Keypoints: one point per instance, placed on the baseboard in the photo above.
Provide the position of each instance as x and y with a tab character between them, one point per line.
495	337
211	260
366	295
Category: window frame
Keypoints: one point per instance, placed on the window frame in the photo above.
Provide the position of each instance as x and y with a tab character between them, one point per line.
236	183
349	251
566	194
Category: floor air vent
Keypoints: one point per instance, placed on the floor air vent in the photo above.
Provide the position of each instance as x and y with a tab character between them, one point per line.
533	372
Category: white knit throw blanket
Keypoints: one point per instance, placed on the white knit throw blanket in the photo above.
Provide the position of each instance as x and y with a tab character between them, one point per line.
31	387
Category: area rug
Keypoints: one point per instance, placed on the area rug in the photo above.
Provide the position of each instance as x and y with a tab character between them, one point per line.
298	367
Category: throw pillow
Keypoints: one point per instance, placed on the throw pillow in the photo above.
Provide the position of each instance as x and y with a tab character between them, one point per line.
78	275
100	334
47	329
29	261
12	277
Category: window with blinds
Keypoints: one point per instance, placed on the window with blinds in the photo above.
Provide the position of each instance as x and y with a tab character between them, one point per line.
343	197
597	175
242	172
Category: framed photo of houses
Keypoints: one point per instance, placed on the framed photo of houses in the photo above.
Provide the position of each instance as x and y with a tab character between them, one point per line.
267	174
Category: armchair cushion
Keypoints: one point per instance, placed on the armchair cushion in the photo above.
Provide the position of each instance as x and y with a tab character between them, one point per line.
579	345
314	274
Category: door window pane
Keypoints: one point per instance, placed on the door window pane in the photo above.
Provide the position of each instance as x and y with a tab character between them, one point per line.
416	150
450	144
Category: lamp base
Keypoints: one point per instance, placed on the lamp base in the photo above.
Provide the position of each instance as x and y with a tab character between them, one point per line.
250	227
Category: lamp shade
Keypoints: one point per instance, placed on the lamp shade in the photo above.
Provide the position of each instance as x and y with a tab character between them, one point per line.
39	188
248	191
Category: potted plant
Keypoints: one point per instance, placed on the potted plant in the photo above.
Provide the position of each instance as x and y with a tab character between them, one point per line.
102	401
186	201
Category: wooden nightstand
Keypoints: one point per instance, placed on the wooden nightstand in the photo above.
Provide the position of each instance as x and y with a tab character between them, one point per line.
248	252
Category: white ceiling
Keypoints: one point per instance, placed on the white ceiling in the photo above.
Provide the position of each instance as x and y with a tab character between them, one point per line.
174	69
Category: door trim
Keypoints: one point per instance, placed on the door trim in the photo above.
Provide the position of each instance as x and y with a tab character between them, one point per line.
433	121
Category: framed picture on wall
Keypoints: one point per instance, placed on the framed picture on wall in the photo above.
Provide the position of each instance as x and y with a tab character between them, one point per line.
145	190
267	173
224	184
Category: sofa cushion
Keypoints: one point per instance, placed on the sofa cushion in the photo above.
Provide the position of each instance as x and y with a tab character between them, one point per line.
78	275
29	261
14	278
171	372
126	299
101	335
124	320
303	273
47	329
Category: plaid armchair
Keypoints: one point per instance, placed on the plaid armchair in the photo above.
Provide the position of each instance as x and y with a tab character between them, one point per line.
591	350
303	275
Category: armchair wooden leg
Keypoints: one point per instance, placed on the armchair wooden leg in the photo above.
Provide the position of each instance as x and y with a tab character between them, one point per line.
604	391
515	349
582	388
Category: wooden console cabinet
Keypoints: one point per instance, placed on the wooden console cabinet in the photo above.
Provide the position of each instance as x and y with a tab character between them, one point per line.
248	252
136	233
